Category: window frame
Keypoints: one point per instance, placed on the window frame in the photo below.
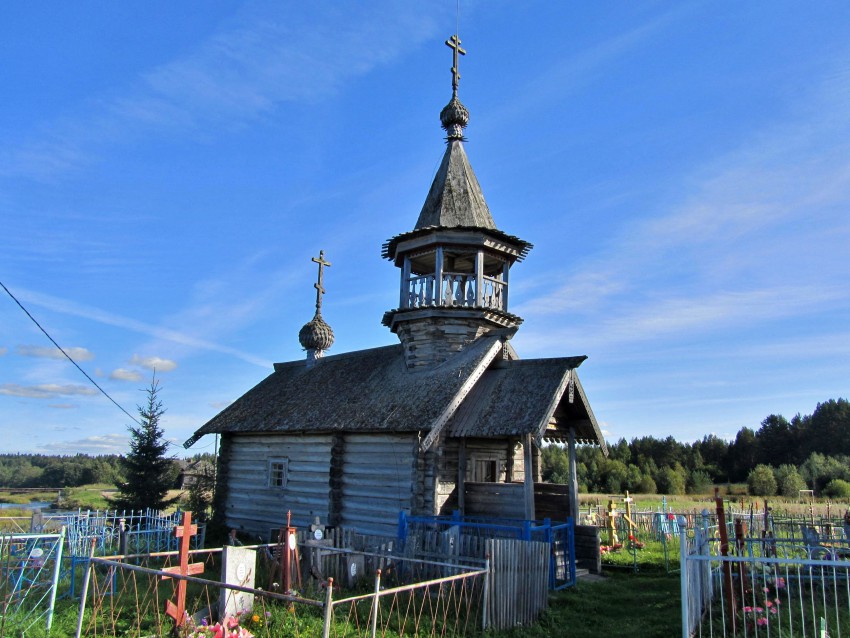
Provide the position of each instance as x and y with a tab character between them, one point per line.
284	473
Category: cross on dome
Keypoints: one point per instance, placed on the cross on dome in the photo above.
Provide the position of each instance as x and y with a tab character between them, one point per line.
319	286
454	44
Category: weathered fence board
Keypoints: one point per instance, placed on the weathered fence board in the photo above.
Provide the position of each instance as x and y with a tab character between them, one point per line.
519	574
495	500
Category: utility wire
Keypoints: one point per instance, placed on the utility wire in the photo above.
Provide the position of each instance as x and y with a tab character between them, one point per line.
94	383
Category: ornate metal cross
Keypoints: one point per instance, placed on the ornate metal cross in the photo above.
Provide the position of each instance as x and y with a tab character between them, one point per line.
454	43
320	290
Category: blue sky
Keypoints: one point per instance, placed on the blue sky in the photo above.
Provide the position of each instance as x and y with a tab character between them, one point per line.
167	170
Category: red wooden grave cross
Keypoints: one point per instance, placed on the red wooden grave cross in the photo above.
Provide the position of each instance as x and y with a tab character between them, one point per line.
184	532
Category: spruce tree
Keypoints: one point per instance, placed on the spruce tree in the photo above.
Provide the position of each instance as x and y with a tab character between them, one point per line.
147	467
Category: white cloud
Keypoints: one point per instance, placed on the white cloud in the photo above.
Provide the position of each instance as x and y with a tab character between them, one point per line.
240	73
45	391
122	374
105	444
156	364
62	406
76	353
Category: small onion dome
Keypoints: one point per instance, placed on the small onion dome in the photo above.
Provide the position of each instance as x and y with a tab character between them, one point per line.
316	334
454	118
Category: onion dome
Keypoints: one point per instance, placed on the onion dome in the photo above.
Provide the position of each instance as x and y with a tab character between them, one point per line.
316	334
454	118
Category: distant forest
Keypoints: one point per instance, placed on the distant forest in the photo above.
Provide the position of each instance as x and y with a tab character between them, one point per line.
780	457
41	470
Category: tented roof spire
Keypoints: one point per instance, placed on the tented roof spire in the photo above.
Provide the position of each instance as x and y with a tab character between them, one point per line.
455	198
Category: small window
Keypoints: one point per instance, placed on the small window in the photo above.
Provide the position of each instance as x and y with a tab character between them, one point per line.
278	469
485	471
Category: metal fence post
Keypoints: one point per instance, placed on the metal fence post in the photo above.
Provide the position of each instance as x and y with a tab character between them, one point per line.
329	609
683	580
57	569
376	603
84	593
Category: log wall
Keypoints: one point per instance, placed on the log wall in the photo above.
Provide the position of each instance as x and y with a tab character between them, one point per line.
252	506
377	481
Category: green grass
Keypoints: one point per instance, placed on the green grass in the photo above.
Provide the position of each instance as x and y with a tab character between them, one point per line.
621	604
87	496
22	498
648	559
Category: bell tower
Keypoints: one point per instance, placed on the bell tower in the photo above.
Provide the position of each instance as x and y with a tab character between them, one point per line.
455	262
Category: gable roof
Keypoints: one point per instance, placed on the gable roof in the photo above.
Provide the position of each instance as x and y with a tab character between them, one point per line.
528	396
471	394
364	391
455	198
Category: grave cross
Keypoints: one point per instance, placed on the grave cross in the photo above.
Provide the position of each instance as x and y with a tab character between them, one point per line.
320	289
454	43
184	532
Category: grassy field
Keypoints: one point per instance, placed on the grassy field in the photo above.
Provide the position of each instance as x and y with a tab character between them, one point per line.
22	498
620	604
95	496
736	498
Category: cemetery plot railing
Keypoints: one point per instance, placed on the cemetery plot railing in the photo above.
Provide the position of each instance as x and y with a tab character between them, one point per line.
125	598
764	587
30	568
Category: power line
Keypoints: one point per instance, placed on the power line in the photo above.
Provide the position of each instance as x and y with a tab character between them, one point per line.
53	341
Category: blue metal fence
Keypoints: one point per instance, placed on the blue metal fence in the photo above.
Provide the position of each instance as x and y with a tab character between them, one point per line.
559	536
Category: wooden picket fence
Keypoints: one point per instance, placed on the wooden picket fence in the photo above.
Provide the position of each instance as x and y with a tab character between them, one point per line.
519	582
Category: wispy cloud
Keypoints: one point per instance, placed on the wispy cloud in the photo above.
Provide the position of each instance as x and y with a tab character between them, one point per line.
72	308
76	353
261	58
122	374
3	351
45	391
94	445
665	315
751	237
156	364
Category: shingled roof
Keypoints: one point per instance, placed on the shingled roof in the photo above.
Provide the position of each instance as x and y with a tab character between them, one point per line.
364	391
528	396
455	198
373	391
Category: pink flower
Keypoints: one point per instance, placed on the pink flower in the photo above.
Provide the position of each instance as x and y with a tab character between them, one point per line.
765	589
768	604
773	610
759	610
747	609
761	622
779	583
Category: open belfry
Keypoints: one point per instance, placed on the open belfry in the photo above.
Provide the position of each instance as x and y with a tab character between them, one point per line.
448	419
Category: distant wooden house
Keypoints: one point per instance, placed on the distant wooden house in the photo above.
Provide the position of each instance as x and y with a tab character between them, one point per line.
451	418
191	472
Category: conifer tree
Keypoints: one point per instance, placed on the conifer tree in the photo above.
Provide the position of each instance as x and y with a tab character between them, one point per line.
147	467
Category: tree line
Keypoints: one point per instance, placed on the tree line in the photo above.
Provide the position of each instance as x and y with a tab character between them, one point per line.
41	470
780	457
